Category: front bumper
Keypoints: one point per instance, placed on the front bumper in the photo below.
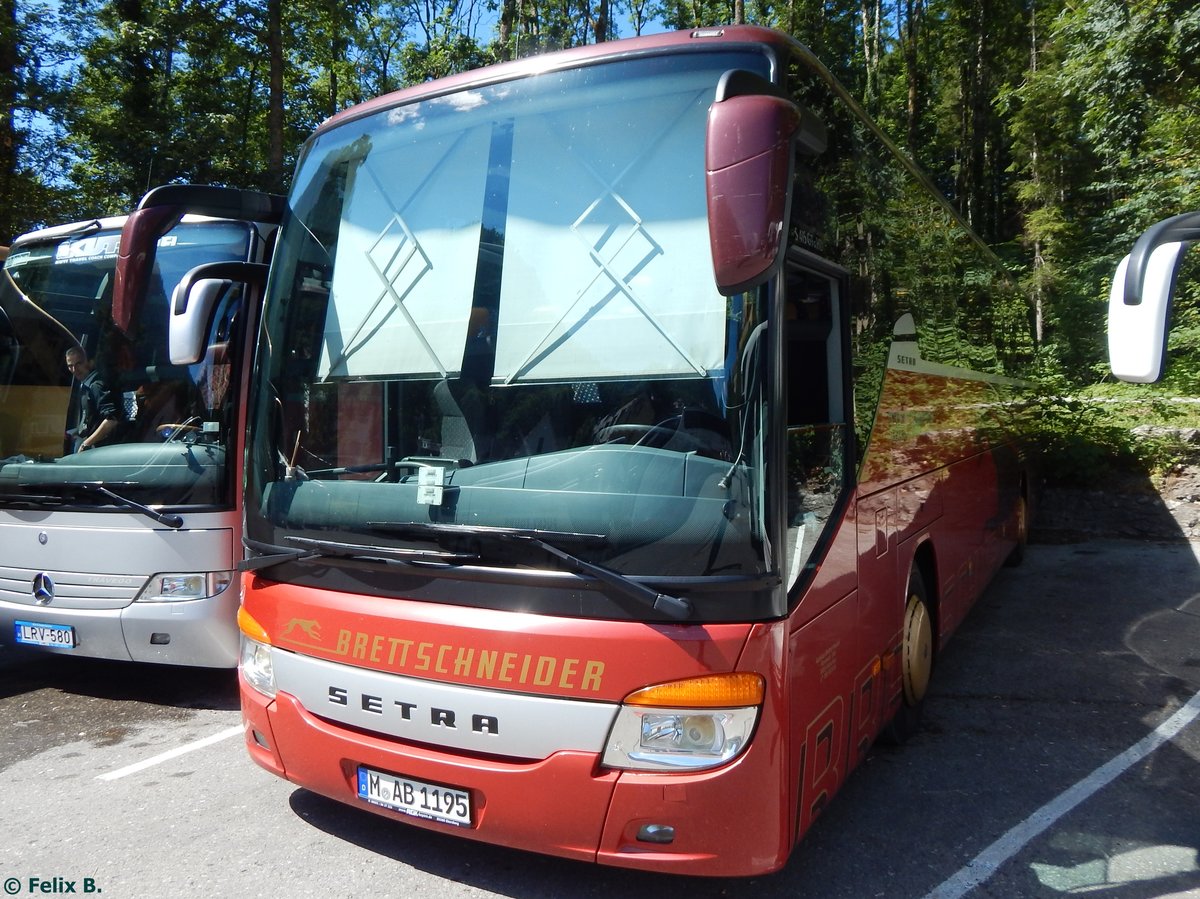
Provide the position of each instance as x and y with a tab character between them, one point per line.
201	633
731	821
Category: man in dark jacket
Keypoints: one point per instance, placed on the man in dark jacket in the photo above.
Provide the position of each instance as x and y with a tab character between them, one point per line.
99	405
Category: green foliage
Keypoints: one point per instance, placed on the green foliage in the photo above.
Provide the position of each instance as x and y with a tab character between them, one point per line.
444	55
1077	442
1105	128
1085	437
1058	130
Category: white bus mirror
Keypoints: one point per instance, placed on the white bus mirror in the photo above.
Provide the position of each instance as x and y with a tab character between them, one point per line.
1137	331
192	304
1139	306
195	297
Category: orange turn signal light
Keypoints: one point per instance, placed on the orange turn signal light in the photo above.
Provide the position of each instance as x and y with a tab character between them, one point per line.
250	627
711	691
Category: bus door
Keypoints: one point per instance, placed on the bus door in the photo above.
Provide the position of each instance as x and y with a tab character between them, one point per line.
823	666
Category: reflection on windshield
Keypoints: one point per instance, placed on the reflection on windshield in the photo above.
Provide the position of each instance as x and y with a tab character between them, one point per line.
521	333
83	402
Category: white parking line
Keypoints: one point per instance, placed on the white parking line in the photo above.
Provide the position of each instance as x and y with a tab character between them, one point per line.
171	754
984	865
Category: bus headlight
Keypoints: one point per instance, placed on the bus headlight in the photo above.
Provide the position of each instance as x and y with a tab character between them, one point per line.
685	725
255	658
182	587
255	665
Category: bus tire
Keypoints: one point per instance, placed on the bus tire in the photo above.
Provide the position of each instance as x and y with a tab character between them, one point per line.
1017	555
916	662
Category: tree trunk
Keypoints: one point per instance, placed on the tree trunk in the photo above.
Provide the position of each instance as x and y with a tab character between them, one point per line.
508	27
139	113
1039	262
912	26
602	15
275	176
9	138
337	52
871	15
973	127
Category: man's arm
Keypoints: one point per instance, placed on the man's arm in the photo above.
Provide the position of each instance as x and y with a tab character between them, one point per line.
106	427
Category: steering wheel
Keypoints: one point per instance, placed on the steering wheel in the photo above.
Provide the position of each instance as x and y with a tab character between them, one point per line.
657	435
185	432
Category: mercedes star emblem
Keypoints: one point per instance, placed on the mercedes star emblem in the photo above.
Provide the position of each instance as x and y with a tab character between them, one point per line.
43	589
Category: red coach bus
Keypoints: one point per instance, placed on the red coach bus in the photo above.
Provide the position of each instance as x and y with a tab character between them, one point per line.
631	427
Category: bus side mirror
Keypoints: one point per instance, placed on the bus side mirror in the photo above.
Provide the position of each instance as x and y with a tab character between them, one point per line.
1139	305
748	166
1137	332
135	260
189	328
754	132
159	211
194	299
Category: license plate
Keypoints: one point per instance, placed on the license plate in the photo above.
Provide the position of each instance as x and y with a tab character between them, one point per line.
415	797
31	634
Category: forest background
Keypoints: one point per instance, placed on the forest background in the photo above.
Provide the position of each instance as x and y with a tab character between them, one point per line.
1060	129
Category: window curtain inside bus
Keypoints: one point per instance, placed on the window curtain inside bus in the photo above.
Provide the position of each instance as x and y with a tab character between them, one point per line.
407	249
607	269
602	239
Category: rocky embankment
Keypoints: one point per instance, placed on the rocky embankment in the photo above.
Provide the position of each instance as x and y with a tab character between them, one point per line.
1128	508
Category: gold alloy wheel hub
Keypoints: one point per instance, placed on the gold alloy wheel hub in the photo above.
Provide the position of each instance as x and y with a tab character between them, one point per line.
917	650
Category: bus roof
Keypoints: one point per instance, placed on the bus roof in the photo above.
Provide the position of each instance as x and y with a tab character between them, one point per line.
53	233
727	36
67	229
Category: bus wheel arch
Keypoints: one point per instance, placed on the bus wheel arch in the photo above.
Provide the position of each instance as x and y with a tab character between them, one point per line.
1021	515
916	641
918	646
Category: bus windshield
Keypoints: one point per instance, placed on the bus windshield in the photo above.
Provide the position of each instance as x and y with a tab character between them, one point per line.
521	335
83	403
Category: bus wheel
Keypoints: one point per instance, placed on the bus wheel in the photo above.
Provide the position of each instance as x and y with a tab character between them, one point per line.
1017	555
916	661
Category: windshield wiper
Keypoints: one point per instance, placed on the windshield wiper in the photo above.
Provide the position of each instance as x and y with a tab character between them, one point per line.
271	555
98	489
31	500
672	606
383	553
310	548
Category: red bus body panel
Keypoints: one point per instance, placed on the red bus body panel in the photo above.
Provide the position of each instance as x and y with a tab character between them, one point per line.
567	804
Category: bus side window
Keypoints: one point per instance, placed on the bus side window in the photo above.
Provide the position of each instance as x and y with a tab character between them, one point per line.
807	326
814	417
